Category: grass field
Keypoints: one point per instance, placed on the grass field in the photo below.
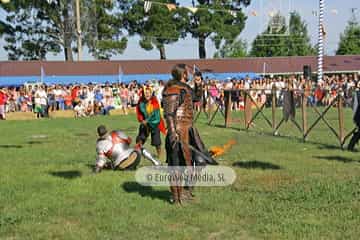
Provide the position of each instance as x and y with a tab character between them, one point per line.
285	189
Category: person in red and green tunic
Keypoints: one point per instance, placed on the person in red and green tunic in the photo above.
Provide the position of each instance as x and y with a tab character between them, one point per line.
151	122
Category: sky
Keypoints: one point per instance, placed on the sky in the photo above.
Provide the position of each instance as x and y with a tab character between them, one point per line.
337	14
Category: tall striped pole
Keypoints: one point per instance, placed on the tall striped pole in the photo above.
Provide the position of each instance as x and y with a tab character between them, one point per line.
78	26
320	40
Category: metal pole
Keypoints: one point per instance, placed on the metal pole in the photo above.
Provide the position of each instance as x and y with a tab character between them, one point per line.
320	40
78	26
264	69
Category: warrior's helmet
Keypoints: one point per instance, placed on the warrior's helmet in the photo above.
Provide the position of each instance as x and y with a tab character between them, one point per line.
101	130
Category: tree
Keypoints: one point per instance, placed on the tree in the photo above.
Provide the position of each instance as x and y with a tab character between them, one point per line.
282	40
350	39
3	28
158	27
299	40
102	24
219	20
235	49
36	28
271	42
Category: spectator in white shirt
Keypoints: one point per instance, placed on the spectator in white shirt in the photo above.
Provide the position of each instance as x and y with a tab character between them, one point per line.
80	109
40	102
59	97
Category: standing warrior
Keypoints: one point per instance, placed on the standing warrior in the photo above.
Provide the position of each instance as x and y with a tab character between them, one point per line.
113	150
148	114
178	112
199	93
356	118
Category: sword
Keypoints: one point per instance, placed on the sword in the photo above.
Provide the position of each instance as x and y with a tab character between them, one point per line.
207	158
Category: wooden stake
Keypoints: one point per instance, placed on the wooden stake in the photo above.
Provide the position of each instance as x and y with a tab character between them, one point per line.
273	107
227	96
341	117
304	114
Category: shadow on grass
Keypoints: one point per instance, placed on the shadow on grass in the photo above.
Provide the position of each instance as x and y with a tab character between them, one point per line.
324	146
90	166
280	135
256	164
223	126
81	134
66	174
36	142
10	146
106	167
336	158
146	191
296	137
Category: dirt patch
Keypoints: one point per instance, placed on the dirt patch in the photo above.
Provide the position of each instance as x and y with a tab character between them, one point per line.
216	235
39	136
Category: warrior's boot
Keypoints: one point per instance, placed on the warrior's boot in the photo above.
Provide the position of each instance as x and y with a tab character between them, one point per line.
175	199
158	151
187	193
179	193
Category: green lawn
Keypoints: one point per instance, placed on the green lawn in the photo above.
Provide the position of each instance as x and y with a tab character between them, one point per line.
285	189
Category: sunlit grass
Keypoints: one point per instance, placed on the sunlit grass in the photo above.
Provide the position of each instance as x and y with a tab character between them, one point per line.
285	189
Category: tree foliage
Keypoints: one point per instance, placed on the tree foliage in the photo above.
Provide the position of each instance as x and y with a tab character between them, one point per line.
298	42
39	27
102	23
235	49
36	28
223	24
33	29
156	28
350	39
282	40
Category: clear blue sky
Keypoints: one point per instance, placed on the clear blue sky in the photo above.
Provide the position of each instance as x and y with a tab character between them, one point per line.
337	14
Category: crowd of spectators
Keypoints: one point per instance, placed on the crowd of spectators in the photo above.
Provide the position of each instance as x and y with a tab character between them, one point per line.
84	100
320	93
99	99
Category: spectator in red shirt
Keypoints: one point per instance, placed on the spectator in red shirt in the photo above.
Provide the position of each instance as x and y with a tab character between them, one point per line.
319	95
3	99
75	95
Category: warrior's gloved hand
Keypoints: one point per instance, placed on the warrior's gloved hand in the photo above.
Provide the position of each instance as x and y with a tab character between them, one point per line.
174	137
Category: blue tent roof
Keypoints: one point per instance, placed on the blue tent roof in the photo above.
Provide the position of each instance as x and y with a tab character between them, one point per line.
84	79
224	76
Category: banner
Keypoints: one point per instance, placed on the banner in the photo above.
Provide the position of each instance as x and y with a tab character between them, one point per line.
42	74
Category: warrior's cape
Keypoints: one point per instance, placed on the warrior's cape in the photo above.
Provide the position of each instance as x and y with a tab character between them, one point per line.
150	111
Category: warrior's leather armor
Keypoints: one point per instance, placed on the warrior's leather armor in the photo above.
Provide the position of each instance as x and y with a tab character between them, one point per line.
178	112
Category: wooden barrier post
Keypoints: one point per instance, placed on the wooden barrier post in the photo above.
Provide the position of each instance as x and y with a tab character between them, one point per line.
227	97
209	105
273	107
341	117
304	114
245	117
247	108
